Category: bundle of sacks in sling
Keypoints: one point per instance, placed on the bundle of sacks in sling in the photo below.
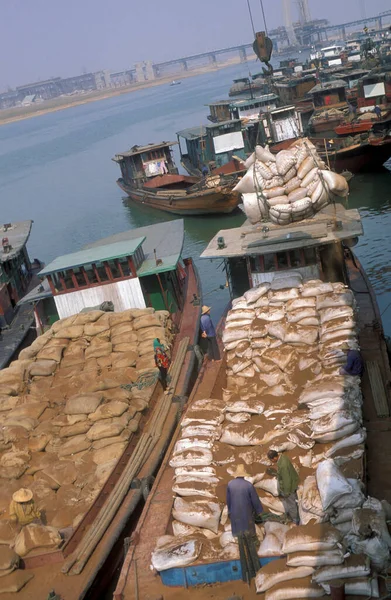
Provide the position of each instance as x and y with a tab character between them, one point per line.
289	186
66	419
285	343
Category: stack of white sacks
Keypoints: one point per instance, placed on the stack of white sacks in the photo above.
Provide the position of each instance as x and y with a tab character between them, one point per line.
289	186
284	345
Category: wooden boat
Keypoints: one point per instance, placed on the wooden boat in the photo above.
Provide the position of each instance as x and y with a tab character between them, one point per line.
322	247
175	82
369	155
18	274
150	177
330	105
90	556
353	128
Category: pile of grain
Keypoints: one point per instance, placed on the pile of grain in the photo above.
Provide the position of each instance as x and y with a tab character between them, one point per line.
283	343
290	186
65	419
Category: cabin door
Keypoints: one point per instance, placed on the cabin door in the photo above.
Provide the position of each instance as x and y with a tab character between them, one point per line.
332	263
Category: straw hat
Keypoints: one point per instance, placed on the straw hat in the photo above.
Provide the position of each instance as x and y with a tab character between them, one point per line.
205	309
22	495
345	346
240	471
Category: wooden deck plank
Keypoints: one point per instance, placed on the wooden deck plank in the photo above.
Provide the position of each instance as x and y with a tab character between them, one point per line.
378	391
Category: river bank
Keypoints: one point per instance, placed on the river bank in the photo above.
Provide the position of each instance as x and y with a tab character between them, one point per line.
13	115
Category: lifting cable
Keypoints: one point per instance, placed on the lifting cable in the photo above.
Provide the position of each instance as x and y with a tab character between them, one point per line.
251	16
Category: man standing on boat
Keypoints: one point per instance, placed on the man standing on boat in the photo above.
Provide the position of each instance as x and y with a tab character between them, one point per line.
209	333
162	361
288	482
243	505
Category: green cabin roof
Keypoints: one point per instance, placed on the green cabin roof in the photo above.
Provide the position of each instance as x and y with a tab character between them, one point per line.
166	238
92	255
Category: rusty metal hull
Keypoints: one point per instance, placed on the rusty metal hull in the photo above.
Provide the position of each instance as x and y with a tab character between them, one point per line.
205	201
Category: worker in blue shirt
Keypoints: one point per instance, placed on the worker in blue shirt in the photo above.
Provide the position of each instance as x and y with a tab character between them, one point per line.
243	505
209	333
377	111
354	363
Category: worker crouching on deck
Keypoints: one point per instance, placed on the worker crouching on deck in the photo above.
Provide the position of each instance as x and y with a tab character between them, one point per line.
243	505
354	363
22	509
288	482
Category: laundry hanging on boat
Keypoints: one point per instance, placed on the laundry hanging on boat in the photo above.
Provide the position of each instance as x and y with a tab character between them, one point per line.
156	167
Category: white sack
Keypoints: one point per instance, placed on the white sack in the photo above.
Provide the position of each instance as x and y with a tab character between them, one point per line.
331	483
199	513
277	572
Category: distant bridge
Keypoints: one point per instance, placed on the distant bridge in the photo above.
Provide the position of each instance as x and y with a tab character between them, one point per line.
314	33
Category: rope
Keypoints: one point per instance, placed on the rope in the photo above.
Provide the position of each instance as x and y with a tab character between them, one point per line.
251	16
143	381
263	14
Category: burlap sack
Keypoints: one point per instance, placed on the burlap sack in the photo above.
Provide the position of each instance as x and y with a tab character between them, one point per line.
109	410
72	332
84	403
146	321
99	350
108	454
104	429
43	368
88	317
35	536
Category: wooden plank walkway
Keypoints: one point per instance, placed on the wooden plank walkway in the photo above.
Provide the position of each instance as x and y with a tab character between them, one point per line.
378	391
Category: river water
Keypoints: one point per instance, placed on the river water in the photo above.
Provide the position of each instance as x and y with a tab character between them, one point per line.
56	169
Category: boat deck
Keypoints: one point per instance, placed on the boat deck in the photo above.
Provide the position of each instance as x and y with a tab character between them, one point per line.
373	349
109	552
137	581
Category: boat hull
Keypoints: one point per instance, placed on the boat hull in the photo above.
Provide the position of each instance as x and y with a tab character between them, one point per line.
353	128
360	157
217	200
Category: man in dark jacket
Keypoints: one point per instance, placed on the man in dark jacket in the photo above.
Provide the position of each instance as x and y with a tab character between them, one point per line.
209	333
288	482
354	362
243	504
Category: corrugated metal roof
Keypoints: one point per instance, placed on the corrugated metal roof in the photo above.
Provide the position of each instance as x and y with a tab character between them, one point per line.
328	85
166	238
103	251
192	133
17	235
250	240
253	101
140	149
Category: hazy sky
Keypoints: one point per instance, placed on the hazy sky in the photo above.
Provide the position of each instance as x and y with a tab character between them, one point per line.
44	38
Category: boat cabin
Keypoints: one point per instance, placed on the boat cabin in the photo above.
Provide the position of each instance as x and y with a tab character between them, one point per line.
212	145
246	109
294	89
374	88
134	269
251	108
329	94
281	124
15	268
254	254
141	163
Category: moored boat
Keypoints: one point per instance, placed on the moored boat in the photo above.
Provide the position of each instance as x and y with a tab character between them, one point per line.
150	177
142	274
18	274
314	258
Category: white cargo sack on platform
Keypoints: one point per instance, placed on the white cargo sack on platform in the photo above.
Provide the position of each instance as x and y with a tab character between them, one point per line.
315	559
315	538
354	566
331	483
199	513
277	572
175	554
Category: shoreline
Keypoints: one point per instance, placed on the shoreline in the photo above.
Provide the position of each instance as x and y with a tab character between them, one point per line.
60	103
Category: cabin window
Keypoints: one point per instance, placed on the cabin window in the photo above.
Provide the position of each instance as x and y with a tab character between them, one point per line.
282	260
91	275
295	258
309	256
103	276
124	264
113	266
81	282
269	263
